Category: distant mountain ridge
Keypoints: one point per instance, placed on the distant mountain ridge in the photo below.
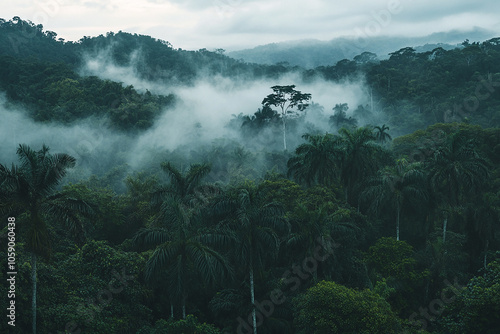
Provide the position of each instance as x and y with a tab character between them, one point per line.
312	53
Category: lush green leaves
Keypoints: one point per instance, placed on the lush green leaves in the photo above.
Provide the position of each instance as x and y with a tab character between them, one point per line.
477	308
332	308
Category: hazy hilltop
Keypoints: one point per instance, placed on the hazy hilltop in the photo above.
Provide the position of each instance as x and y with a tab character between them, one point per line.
313	53
153	59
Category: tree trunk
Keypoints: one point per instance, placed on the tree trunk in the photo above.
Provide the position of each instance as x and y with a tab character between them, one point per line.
485	261
171	310
252	298
369	281
397	223
445	225
371	100
284	132
33	298
183	307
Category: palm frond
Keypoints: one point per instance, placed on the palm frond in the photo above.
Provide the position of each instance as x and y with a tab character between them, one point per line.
163	256
54	169
194	176
176	179
226	300
211	265
151	237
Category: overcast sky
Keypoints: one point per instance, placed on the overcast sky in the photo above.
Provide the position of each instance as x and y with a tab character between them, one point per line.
234	24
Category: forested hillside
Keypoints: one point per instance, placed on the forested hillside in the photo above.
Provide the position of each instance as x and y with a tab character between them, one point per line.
160	190
311	53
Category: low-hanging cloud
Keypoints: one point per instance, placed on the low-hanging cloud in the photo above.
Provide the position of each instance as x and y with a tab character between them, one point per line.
207	107
199	118
90	141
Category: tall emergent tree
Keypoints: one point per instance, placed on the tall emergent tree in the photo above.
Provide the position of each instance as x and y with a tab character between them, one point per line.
361	157
31	188
286	98
396	187
456	170
251	226
181	257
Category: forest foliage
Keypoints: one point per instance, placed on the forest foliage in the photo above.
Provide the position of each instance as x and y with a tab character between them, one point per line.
367	228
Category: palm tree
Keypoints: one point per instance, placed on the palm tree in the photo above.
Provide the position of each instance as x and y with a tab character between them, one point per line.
360	157
396	186
381	133
307	227
487	221
175	232
456	169
317	160
251	227
188	187
310	228
180	256
31	188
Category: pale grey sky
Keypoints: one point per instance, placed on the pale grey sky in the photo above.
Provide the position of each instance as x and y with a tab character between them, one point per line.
233	24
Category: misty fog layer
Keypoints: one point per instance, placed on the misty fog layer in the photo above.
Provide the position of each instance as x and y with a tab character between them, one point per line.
89	141
201	116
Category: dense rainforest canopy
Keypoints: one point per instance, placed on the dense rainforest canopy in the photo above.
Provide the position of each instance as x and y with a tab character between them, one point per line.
382	217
